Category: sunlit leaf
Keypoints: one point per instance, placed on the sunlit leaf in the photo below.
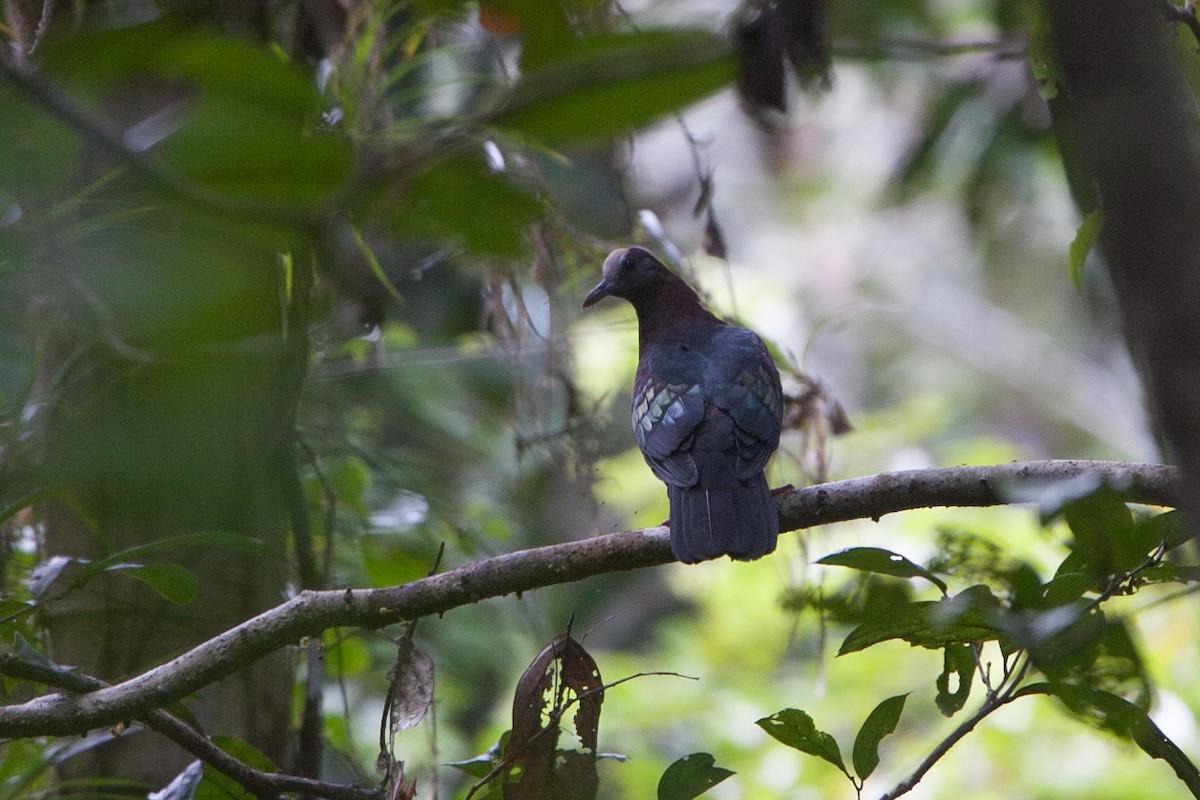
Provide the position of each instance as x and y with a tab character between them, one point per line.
690	777
879	723
797	730
884	562
171	581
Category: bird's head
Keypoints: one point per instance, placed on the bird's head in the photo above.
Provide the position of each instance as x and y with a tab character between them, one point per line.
630	273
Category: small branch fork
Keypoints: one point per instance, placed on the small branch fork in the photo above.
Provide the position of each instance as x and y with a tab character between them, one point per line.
1007	690
88	703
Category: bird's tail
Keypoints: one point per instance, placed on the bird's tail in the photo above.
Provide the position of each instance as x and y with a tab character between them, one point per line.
709	523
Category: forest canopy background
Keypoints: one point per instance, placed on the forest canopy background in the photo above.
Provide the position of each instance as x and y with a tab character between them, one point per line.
292	297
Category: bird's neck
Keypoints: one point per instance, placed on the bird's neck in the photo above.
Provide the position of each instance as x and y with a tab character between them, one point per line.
669	311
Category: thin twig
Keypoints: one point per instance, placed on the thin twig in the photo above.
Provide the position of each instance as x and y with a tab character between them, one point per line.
264	785
1005	694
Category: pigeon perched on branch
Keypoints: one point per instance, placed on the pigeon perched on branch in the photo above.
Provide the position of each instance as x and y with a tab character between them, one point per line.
707	407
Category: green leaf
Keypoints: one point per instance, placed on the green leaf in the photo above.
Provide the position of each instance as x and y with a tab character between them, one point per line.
1168	530
614	83
958	663
1081	245
12	608
1062	642
41	151
171	581
879	723
1103	526
797	730
350	479
224	540
691	776
968	617
883	562
1123	718
255	140
461	199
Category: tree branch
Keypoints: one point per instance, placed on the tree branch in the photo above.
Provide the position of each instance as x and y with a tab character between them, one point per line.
311	612
265	785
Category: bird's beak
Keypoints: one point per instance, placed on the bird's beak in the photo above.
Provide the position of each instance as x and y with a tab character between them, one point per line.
603	289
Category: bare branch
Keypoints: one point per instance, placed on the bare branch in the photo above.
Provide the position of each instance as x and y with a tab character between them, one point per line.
311	612
265	785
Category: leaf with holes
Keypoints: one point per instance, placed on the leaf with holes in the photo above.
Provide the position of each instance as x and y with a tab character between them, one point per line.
797	730
690	777
958	665
562	677
970	616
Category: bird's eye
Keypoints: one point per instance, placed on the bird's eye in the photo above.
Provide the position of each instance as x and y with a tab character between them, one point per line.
628	262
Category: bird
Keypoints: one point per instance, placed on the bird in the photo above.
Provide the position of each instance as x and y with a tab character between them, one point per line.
707	408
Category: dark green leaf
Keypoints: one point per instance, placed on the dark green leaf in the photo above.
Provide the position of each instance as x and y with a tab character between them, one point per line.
958	665
1119	668
545	31
222	540
12	608
879	723
796	729
614	83
884	562
40	150
1168	530
969	617
171	581
1119	716
1081	245
1102	526
1061	641
691	776
462	199
1068	584
251	139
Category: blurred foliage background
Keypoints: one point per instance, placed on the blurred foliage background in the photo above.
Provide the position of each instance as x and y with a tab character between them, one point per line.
310	273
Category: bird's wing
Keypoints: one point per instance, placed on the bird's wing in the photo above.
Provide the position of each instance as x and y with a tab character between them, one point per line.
741	379
665	415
